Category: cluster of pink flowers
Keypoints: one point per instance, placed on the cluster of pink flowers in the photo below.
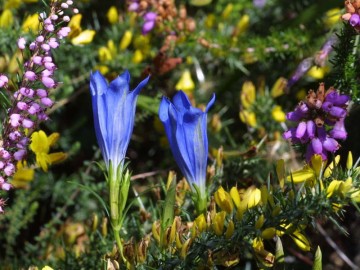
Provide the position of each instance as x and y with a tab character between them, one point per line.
30	101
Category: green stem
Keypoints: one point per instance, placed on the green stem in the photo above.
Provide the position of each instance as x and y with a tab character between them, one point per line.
119	244
201	205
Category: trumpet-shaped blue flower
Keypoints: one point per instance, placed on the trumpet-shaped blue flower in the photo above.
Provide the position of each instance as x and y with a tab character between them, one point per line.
114	112
185	127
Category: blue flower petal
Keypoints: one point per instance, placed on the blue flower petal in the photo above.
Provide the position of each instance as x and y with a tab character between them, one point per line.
114	113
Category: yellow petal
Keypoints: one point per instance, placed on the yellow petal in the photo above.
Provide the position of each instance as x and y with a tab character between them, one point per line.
47	268
57	157
242	25
278	87
39	142
31	23
200	223
253	196
301	241
317	164
227	11
138	57
112	47
6	18
53	138
112	15
328	170
280	172
234	193
278	114
230	229
85	37
104	54
223	200
185	82
349	161
125	40
22	176
218	223
43	160
247	96
300	176
268	233
333	187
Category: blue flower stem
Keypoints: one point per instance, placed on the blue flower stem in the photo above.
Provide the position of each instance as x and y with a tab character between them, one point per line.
119	184
201	205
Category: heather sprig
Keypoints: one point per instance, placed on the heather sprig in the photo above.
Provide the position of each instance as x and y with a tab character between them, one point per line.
320	121
31	99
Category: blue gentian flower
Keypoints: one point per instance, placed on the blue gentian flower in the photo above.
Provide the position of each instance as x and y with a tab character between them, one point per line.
114	112
185	127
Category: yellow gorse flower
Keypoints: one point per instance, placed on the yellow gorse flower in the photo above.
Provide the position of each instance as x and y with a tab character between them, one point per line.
301	241
31	23
112	15
6	18
40	145
125	40
23	175
308	173
278	114
248	94
77	36
185	82
223	200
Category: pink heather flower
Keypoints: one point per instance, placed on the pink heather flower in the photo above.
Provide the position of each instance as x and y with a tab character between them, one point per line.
30	75
37	60
19	155
42	116
49	66
47	101
66	19
34	108
133	6
40	39
47	21
54	17
27	92
27	123
5	154
9	169
69	2
3	80
45	47
22	105
15	119
32	46
47	73
21	43
64	5
147	27
2	165
47	59
49	27
41	93
76	11
48	82
5	186
14	136
53	43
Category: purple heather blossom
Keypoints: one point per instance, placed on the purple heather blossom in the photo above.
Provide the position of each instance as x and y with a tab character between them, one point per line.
21	43
320	112
29	106
259	3
354	19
